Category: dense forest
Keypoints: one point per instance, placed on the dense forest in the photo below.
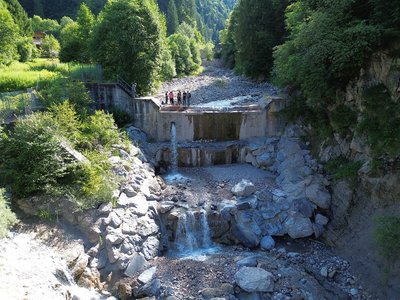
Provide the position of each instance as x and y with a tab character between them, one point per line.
208	15
315	48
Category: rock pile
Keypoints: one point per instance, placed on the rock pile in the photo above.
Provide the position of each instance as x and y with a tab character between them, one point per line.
295	205
120	237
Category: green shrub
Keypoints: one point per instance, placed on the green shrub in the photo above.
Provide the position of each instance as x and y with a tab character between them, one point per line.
121	117
100	131
342	118
96	181
32	160
342	168
62	89
387	235
381	121
7	217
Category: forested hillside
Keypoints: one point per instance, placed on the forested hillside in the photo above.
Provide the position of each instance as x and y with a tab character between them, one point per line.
209	15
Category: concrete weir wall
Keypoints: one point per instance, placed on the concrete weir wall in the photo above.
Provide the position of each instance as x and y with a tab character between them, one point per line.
195	124
192	123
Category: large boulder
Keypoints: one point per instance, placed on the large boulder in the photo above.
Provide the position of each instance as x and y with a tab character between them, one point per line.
298	226
251	279
318	194
137	263
246	229
244	188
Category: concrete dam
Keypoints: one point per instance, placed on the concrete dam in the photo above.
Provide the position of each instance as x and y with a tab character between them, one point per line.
206	134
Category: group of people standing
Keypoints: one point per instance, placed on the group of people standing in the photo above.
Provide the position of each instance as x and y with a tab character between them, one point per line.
181	98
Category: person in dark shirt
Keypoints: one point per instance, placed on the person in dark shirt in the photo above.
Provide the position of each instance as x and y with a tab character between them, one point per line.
189	96
179	97
184	98
166	97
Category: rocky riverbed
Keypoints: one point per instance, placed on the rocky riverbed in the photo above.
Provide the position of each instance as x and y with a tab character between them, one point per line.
219	84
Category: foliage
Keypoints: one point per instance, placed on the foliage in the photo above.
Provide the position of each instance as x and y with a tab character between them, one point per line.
20	17
62	89
181	51
26	49
228	47
50	47
96	181
387	235
327	46
12	104
127	42
75	36
49	26
208	51
254	29
56	9
342	168
121	117
7	217
8	36
100	131
40	163
380	121
19	76
172	18
44	165
342	118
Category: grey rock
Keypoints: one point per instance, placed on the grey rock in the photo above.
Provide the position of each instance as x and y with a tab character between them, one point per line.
151	247
250	261
265	195
321	220
151	288
252	280
113	239
265	160
147	275
298	226
303	206
318	194
115	221
214	293
136	264
267	243
324	272
244	188
105	208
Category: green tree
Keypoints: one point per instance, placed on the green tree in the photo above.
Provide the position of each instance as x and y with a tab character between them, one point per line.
65	21
181	47
20	17
260	27
8	36
45	25
187	11
50	46
172	18
228	46
329	43
85	20
127	42
71	46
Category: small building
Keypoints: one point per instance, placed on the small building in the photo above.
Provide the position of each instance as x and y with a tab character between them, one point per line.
38	37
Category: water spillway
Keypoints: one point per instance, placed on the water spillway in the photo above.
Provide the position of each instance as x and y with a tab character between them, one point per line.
192	234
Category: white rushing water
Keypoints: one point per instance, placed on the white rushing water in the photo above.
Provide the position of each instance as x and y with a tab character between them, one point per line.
30	270
192	237
174	149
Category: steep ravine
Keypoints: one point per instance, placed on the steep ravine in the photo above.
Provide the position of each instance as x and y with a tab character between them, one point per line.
356	205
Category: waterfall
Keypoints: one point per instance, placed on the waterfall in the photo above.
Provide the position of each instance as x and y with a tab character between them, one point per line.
193	232
174	149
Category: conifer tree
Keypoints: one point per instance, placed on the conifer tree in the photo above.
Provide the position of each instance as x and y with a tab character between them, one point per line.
172	18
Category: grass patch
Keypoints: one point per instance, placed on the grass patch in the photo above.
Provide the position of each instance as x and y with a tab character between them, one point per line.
387	236
20	76
342	168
